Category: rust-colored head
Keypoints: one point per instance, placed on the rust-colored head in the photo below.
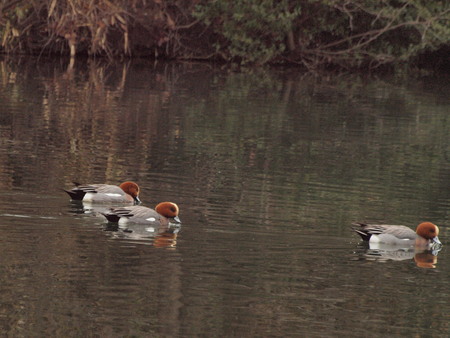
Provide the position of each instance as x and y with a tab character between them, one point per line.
428	230
131	189
167	209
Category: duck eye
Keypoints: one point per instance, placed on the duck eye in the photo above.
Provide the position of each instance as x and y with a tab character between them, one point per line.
173	209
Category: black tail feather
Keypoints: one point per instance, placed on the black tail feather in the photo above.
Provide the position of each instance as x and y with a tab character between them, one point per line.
76	195
113	218
359	229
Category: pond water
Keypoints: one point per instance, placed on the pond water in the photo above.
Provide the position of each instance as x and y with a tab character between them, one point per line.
269	169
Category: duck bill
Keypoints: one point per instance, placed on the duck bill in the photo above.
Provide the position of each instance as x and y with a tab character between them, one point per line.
176	219
137	201
436	241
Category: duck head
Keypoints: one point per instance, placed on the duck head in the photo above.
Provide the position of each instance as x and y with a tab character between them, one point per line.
428	231
169	210
131	189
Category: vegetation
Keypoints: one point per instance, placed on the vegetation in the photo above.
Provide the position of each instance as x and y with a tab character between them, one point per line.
312	33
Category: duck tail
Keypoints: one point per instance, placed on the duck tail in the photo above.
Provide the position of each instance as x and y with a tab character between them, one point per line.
113	218
75	194
359	229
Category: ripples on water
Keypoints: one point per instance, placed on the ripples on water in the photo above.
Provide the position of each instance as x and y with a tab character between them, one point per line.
269	170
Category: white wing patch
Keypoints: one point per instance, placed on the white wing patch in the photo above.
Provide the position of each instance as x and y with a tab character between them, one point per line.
151	219
374	239
88	197
113	195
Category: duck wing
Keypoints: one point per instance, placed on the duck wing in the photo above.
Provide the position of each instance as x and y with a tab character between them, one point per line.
135	213
399	231
78	192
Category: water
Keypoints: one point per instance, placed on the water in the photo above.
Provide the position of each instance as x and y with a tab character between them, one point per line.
269	168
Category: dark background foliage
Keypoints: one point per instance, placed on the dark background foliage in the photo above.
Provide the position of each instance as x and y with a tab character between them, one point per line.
356	34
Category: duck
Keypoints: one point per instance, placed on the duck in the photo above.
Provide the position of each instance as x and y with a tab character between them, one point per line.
425	235
163	214
127	192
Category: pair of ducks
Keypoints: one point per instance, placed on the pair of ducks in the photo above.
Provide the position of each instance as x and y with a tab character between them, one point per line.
126	193
165	212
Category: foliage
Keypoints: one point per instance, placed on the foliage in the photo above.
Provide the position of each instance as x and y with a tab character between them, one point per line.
373	33
94	27
358	33
312	33
253	30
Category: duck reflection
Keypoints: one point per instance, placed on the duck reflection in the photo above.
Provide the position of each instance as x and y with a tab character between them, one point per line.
426	260
160	236
423	257
87	208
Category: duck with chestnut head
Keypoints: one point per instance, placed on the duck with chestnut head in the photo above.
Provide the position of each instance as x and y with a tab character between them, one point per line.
127	193
425	235
163	214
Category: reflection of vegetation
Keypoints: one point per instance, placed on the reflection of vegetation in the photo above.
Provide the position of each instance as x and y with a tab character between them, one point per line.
349	34
272	150
74	117
259	138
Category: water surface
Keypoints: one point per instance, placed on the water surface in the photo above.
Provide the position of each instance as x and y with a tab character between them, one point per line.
269	168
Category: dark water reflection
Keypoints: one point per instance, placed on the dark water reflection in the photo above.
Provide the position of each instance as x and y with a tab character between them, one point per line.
269	169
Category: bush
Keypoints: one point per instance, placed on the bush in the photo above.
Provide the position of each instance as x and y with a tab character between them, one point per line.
358	33
253	30
313	33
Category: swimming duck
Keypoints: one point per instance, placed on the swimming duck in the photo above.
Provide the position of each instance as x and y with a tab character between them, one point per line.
164	213
127	192
426	234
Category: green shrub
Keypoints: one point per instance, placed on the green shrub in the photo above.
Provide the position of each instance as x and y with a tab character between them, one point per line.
253	31
355	33
314	33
